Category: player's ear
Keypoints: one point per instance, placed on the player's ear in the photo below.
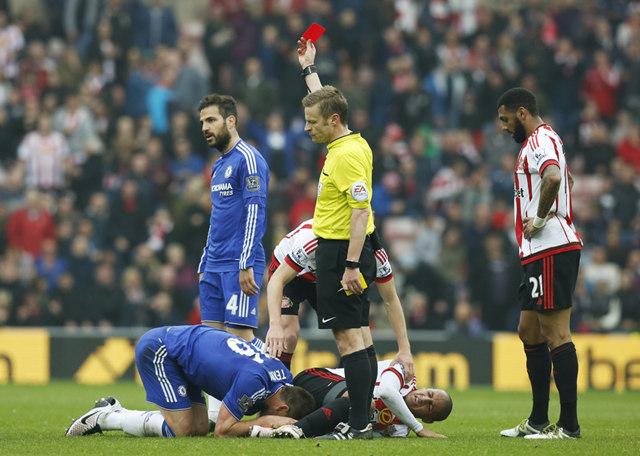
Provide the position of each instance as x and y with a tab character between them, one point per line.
283	409
521	113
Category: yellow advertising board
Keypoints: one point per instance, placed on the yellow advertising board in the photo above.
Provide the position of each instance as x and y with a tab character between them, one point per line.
606	362
24	356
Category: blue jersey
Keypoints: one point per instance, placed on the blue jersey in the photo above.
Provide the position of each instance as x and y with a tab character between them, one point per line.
226	367
239	183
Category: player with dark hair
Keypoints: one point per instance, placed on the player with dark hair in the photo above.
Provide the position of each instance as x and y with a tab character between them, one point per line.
549	248
177	363
342	222
233	260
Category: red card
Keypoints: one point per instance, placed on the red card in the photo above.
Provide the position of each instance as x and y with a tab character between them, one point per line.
314	32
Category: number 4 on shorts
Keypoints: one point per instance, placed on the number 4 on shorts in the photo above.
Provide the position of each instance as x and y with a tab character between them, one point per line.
232	305
536	291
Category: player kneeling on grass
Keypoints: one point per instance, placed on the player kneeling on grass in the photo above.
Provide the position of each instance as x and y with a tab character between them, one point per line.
177	364
397	405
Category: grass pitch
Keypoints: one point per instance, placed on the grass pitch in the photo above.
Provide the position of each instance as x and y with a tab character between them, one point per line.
33	420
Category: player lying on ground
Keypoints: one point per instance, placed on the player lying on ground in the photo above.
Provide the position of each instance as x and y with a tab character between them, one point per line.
397	405
177	363
293	281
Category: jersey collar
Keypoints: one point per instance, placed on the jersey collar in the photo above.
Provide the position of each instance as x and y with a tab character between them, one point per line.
342	139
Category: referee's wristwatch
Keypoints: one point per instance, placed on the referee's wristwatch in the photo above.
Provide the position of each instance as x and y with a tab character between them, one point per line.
351	264
310	69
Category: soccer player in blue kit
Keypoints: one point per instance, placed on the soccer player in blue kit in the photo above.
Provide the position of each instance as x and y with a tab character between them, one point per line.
233	261
177	363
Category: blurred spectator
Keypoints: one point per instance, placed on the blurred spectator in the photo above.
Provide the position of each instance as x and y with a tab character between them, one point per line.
126	171
154	24
28	228
466	321
46	156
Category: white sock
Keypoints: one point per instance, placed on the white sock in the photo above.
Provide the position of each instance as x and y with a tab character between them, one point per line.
134	422
214	408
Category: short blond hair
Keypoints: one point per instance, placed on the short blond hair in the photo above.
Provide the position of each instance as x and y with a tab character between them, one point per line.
331	102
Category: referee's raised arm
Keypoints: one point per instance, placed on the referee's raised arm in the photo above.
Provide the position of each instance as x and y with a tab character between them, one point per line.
342	222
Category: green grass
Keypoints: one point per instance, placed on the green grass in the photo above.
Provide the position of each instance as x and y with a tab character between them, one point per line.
33	420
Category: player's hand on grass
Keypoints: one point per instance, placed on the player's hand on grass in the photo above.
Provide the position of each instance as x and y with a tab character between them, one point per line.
406	359
248	283
426	433
275	341
351	280
528	230
306	53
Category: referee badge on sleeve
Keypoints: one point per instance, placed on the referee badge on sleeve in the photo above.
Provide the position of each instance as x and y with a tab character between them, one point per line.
359	191
253	183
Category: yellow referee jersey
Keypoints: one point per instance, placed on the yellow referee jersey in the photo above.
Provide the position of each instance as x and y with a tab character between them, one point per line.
345	184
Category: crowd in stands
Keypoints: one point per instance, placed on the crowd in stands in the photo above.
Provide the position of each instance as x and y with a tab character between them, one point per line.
104	199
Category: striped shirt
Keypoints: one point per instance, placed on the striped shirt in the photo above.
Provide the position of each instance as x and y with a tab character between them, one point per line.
239	182
45	157
540	150
298	250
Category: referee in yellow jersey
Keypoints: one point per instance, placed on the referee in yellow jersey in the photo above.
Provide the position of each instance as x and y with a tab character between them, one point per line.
342	222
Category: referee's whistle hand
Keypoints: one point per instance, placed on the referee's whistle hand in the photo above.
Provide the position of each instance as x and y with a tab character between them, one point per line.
248	284
351	280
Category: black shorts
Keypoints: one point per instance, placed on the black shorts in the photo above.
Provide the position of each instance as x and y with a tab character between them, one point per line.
335	309
296	292
548	283
323	384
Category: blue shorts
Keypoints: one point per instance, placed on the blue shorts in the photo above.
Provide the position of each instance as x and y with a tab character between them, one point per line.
161	376
222	300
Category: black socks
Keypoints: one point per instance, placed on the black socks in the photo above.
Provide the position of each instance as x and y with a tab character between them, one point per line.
539	370
565	373
357	373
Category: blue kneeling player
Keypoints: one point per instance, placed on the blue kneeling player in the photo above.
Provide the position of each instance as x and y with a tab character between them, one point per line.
177	363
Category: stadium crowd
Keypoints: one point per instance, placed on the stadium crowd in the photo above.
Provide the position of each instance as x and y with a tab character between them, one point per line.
104	199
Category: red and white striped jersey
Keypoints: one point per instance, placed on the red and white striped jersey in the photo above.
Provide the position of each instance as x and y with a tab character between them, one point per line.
541	149
45	158
386	421
298	250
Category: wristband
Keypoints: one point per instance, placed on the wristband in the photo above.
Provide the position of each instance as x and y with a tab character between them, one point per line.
308	70
351	264
538	222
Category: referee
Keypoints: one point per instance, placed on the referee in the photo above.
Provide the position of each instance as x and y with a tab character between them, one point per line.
342	222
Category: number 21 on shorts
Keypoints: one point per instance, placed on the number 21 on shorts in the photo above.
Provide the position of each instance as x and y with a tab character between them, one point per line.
536	291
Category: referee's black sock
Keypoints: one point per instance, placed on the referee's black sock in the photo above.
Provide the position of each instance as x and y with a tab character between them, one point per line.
357	373
373	363
539	370
326	418
565	372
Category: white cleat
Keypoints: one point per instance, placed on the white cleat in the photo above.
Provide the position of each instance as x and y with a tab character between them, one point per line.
288	431
87	424
554	432
523	429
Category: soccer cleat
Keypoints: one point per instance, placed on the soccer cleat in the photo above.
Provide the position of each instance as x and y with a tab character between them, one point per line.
288	431
87	424
345	432
553	431
523	429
